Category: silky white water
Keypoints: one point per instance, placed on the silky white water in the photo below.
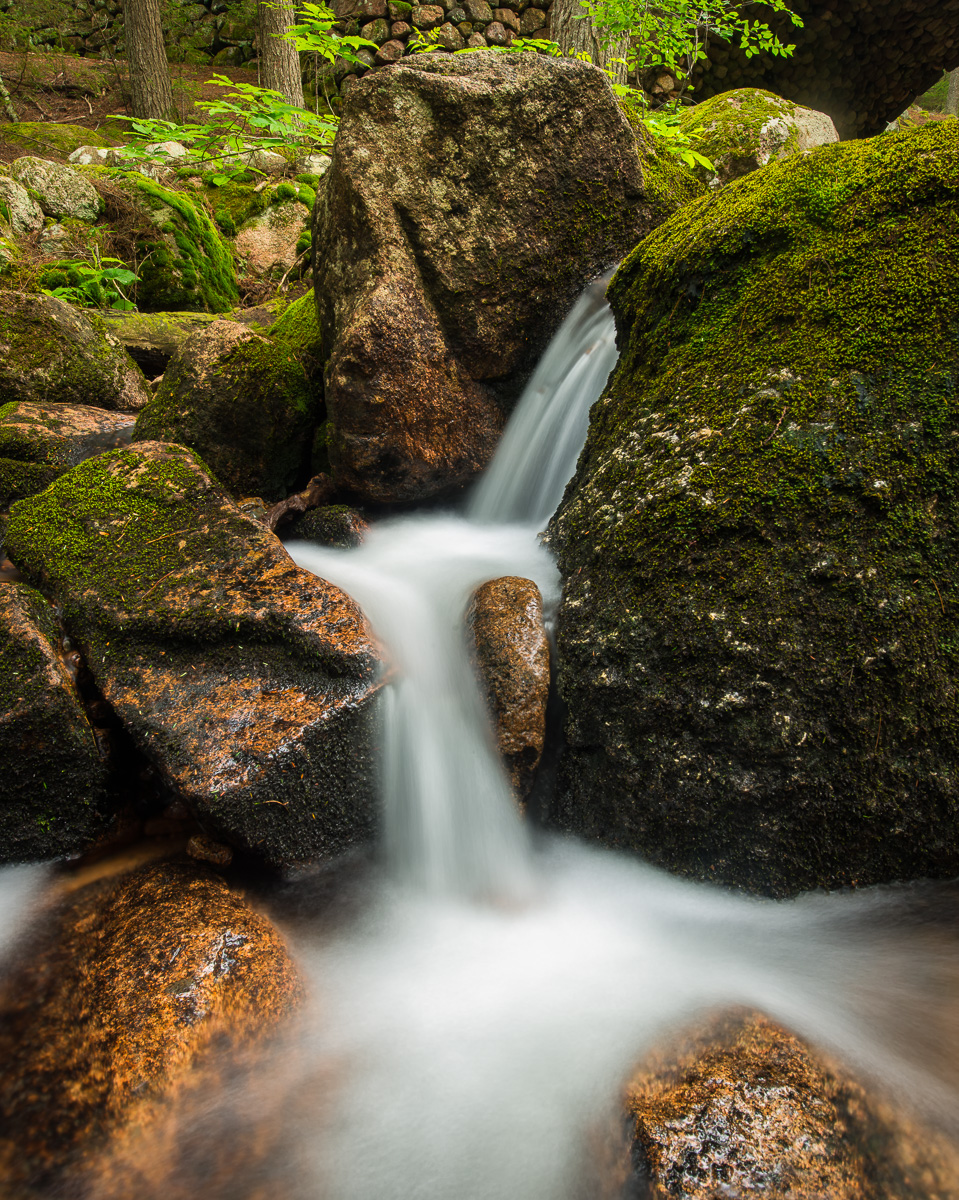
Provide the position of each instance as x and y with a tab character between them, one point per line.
474	1021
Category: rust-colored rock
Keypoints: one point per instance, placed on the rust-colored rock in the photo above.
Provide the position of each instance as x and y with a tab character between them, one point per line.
52	790
248	682
124	1011
470	199
511	648
748	1110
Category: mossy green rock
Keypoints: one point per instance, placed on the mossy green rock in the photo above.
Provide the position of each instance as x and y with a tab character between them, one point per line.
299	328
749	128
248	683
52	351
182	261
38	442
243	402
759	635
45	137
53	797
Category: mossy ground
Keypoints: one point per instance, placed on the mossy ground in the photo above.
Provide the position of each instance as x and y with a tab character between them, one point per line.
763	528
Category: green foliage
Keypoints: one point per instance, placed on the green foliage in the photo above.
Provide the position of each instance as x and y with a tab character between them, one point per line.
89	285
674	36
315	34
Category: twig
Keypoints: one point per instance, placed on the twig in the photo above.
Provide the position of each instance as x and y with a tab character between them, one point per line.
778	423
939	594
878	735
39	106
279	286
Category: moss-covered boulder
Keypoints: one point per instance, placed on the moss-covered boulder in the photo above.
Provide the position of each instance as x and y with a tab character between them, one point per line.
61	191
44	137
182	261
299	328
243	402
151	339
19	211
248	682
746	129
52	438
445	256
52	351
53	798
759	633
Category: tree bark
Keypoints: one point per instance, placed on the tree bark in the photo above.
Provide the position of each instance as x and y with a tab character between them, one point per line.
952	99
149	70
279	59
576	35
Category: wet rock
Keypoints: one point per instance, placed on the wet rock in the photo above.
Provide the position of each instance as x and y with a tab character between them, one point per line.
511	651
60	191
53	794
318	491
53	352
443	261
759	619
53	438
248	683
267	243
330	525
748	1110
127	1008
744	130
243	402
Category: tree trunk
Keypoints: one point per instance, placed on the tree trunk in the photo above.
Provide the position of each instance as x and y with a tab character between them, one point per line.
279	59
149	70
575	34
952	99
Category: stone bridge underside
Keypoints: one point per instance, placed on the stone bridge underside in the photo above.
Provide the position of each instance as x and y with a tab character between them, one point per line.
861	61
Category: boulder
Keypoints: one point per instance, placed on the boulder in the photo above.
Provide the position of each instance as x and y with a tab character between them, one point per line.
759	632
511	655
44	138
54	778
60	191
151	339
298	327
51	351
18	208
445	258
243	402
182	261
53	437
329	525
743	130
248	683
123	1015
745	1109
266	244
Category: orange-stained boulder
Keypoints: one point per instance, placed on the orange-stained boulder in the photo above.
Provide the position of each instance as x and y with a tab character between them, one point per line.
135	1002
511	653
248	682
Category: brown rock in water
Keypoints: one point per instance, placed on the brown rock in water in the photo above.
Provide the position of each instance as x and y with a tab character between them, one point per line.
748	1110
511	649
249	683
445	258
119	1021
53	779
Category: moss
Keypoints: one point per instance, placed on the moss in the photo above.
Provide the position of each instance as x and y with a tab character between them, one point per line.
299	327
667	180
237	201
768	499
199	275
42	137
733	127
19	479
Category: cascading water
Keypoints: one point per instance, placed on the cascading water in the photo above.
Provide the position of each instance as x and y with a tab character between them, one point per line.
476	1020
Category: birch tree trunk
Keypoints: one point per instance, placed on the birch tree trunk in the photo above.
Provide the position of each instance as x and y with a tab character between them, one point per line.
149	70
576	34
279	59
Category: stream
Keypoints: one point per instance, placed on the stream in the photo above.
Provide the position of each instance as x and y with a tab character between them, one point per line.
474	1020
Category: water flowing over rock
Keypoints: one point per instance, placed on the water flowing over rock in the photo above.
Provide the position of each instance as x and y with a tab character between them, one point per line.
759	621
469	201
53	777
51	351
38	442
243	402
247	682
133	1001
747	1110
743	130
505	621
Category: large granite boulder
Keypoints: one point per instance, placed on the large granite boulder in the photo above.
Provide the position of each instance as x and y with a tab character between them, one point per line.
123	1019
743	130
246	681
52	351
759	634
469	201
243	402
54	777
61	191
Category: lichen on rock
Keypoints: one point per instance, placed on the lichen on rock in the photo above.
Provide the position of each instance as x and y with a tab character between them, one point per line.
758	636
